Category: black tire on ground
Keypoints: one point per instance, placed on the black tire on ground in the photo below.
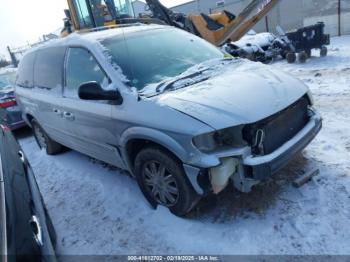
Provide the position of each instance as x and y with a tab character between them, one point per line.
308	52
283	54
44	141
323	51
302	57
291	57
163	181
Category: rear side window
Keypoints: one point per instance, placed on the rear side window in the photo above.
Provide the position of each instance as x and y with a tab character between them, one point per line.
25	71
48	69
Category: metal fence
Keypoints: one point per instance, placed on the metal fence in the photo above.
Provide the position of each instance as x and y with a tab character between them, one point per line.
293	14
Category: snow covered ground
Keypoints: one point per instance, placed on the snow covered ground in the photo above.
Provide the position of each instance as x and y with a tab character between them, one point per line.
97	209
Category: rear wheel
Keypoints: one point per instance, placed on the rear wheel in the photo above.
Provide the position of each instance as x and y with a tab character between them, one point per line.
308	52
163	181
44	141
302	57
291	57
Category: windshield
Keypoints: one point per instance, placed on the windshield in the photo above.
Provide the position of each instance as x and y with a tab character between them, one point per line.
150	57
7	80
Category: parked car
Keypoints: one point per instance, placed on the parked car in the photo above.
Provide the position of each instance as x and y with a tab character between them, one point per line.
26	231
10	113
167	106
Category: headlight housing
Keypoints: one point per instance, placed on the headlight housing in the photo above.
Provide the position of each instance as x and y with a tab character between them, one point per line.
225	138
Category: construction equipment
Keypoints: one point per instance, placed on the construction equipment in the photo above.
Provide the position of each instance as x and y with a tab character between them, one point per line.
87	14
303	40
217	28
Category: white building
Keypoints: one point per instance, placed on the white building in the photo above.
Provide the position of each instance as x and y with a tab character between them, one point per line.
236	6
139	7
288	14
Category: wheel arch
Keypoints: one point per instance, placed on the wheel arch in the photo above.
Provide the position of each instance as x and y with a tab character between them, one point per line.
135	139
28	117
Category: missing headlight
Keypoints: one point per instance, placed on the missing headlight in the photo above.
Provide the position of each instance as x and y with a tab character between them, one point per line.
225	138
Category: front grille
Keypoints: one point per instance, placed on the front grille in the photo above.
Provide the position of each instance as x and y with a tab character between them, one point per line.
269	134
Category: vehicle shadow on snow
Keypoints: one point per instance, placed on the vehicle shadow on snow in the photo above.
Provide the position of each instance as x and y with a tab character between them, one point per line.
231	203
27	132
23	132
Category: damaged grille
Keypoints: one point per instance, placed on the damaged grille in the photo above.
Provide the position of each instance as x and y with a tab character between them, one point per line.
269	134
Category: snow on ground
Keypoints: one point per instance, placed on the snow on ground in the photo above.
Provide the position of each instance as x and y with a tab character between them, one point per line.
97	209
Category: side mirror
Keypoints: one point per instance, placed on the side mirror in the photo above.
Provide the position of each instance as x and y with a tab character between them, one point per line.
93	91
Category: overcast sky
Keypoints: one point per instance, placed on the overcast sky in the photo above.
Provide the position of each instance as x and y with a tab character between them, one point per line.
23	21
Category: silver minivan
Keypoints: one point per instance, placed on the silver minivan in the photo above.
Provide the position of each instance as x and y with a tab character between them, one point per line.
180	115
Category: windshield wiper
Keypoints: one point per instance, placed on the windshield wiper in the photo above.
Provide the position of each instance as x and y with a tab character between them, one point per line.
167	86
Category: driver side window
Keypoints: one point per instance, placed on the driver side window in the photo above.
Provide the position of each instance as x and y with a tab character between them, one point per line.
82	67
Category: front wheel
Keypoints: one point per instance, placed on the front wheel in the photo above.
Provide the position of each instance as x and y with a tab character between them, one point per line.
163	181
323	51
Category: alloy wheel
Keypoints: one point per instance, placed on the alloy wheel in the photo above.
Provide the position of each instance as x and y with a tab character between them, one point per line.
160	183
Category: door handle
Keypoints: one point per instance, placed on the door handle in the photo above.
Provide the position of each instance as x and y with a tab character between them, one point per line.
57	112
68	116
36	228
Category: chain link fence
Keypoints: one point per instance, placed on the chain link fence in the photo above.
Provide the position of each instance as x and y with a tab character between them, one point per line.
293	14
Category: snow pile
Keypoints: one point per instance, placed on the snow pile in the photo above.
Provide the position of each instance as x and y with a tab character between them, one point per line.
99	210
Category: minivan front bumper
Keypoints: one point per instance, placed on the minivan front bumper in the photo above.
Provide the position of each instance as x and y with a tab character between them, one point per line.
250	169
263	166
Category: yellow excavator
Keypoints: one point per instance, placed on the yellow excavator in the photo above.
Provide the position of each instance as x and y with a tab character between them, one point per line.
218	28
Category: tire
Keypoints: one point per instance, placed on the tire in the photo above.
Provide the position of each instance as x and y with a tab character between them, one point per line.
283	54
291	57
308	52
323	51
172	189
44	141
302	57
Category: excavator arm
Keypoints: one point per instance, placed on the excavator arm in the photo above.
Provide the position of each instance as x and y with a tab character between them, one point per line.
247	19
216	28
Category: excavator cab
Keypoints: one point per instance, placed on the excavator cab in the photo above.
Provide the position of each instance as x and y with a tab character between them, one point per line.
86	14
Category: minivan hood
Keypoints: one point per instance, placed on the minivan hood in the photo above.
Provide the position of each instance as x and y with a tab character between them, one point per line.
242	93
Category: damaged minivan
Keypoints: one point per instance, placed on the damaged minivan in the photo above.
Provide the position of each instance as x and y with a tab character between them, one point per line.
184	118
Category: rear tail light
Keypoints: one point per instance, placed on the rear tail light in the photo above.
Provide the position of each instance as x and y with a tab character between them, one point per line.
8	103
